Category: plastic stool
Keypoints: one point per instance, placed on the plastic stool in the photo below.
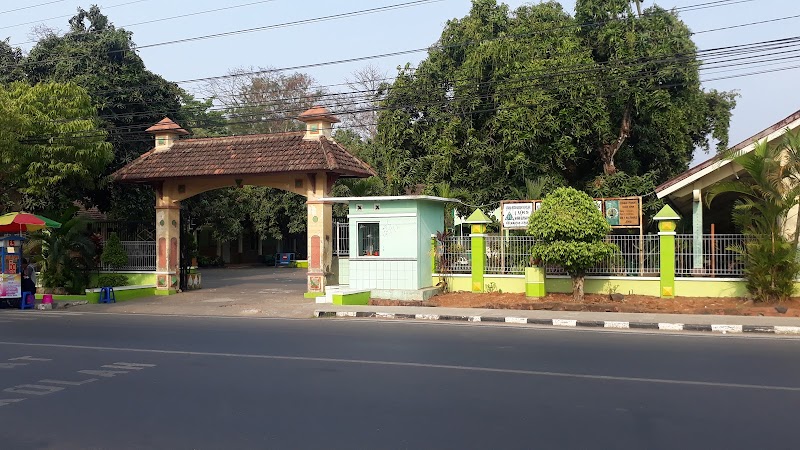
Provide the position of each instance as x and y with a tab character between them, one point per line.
27	301
107	295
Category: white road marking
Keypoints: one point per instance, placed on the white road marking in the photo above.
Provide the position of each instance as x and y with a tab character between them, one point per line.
103	373
565	322
29	358
612	324
536	373
8	401
11	365
68	383
722	328
670	326
33	389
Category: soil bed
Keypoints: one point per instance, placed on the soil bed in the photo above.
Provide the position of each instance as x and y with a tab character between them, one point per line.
603	303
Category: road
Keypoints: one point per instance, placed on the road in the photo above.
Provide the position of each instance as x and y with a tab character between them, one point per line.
106	381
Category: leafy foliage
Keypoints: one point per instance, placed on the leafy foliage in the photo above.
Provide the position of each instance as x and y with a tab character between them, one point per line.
112	279
67	254
102	59
50	144
510	96
114	254
768	194
568	231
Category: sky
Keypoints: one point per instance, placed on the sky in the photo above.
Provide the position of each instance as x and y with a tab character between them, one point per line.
764	98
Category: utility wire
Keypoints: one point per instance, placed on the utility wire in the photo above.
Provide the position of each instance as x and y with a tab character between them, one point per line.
102	8
570	25
31	6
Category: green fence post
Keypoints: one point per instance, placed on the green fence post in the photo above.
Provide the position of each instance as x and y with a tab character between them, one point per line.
478	221
534	282
667	220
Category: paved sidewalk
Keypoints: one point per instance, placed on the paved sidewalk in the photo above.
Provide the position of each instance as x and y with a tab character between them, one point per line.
260	291
671	322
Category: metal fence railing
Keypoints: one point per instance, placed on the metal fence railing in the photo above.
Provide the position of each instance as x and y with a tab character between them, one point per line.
141	256
718	257
126	231
341	239
508	254
637	256
453	255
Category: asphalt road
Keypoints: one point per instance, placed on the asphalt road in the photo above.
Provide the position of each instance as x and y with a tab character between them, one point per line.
89	381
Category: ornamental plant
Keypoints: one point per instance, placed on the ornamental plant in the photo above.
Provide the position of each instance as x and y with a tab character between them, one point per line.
115	256
568	230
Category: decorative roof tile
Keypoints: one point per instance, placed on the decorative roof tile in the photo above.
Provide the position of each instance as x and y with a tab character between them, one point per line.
166	124
242	155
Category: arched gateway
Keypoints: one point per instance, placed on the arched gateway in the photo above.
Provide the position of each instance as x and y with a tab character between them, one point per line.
306	163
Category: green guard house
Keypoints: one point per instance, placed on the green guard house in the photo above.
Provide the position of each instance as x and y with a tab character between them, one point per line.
390	248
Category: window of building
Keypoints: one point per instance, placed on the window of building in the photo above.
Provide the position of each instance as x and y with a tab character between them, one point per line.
368	239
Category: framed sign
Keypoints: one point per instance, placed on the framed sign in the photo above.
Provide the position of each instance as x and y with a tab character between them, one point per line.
619	212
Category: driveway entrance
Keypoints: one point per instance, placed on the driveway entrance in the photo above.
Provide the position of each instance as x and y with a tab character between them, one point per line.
231	291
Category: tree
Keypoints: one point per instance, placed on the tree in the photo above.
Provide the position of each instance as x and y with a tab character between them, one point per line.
263	100
768	194
508	96
358	108
50	145
10	64
113	256
102	59
568	231
67	254
654	111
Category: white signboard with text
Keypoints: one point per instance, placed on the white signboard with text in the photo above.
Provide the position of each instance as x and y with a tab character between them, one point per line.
516	214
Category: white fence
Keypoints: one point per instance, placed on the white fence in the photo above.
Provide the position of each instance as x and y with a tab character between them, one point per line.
719	257
453	255
341	239
141	256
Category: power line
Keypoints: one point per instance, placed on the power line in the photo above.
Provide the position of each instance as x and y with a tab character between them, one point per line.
413	3
102	8
32	6
593	67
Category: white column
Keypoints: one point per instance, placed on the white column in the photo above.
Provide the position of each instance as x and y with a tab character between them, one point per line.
697	229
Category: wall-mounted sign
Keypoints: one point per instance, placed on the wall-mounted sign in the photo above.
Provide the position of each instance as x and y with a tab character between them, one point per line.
623	212
516	214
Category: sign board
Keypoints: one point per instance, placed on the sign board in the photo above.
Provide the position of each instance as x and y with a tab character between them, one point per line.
622	212
516	214
10	285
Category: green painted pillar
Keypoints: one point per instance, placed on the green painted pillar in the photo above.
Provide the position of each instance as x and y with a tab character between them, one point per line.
667	220
478	221
478	238
534	282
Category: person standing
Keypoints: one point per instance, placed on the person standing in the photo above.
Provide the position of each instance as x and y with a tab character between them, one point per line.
28	277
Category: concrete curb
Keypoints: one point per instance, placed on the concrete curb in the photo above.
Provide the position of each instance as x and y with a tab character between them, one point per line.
712	328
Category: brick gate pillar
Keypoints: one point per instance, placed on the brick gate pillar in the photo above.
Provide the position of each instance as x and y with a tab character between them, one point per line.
320	234
168	243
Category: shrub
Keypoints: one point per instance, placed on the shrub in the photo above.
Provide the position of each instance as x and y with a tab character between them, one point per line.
568	230
112	280
114	253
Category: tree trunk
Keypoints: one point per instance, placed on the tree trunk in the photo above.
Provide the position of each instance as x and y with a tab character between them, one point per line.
607	151
577	287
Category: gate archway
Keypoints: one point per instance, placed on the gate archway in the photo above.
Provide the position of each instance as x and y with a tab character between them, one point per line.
304	162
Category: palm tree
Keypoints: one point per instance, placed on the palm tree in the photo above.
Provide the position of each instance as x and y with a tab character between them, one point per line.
767	196
67	254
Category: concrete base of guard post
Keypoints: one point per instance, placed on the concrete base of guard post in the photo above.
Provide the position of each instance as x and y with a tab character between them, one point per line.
534	282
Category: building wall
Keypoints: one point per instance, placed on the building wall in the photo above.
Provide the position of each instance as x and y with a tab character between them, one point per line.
431	220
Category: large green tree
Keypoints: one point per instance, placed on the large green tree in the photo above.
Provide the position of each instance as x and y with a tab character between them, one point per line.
102	59
51	148
655	114
507	96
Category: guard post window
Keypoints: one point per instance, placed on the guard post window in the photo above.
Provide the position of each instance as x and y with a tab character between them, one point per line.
368	239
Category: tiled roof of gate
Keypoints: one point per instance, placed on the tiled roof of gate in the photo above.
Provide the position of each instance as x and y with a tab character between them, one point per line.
241	155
